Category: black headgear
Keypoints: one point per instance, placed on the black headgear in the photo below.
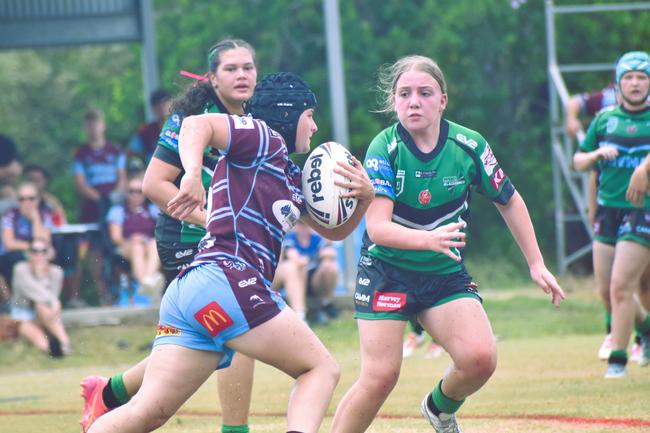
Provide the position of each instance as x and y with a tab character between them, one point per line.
279	100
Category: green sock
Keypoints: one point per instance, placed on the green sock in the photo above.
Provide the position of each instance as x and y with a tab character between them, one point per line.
643	327
119	390
444	403
608	321
234	428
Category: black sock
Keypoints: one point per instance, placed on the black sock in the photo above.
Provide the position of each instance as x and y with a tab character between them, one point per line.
432	406
293	431
55	347
109	398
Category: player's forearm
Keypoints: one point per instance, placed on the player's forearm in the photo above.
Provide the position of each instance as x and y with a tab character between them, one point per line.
194	137
515	214
163	190
583	161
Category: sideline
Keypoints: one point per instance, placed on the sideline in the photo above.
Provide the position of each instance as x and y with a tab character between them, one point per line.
563	419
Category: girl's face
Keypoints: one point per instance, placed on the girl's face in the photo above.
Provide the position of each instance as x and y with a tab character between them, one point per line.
419	101
236	75
27	199
134	195
306	129
40	252
634	87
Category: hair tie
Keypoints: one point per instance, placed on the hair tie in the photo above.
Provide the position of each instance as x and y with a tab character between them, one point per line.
193	76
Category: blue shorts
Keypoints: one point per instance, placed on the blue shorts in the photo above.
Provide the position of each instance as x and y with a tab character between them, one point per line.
22	313
212	303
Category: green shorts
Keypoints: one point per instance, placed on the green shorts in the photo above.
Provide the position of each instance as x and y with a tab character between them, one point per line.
384	291
619	224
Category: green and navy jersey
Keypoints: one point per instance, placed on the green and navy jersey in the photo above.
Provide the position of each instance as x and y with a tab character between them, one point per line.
170	229
432	189
629	133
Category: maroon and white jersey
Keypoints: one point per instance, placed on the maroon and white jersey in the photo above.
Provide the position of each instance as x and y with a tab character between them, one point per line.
255	198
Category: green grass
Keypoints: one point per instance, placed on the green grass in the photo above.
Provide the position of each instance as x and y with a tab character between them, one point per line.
547	366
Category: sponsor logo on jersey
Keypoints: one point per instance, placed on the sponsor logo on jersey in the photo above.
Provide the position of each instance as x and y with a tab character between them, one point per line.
206	243
388	301
377	181
612	123
361	299
467	141
642	229
497	179
399	181
183	253
164	330
364	281
631	129
424	197
425	173
451	182
247	282
286	213
488	160
213	318
231	264
256	300
392	145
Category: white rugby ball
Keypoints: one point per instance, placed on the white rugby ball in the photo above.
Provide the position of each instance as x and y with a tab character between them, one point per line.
323	198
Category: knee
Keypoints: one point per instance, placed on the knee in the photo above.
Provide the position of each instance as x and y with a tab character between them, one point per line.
331	371
329	267
480	363
619	292
379	382
151	418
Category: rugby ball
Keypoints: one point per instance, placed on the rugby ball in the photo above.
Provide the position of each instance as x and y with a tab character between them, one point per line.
323	198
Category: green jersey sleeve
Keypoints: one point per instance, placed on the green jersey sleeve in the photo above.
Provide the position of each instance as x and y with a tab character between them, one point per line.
590	142
378	164
492	181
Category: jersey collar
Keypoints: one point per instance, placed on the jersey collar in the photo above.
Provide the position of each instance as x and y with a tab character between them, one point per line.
410	144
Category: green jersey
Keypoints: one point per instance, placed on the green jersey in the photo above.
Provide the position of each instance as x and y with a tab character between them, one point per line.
629	133
170	229
429	190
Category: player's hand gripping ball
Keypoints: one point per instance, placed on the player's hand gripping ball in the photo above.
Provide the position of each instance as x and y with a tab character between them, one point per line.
324	203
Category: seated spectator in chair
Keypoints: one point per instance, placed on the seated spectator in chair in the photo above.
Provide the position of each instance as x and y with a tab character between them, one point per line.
20	225
35	302
40	177
131	228
99	172
308	267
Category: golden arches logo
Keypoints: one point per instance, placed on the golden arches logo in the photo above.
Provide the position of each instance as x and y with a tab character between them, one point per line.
213	318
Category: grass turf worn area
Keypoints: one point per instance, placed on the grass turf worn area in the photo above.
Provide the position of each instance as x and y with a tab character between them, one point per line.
548	378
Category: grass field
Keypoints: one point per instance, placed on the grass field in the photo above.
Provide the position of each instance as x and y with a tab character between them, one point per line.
548	378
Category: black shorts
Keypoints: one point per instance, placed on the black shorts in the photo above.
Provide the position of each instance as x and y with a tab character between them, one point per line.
615	224
385	291
174	257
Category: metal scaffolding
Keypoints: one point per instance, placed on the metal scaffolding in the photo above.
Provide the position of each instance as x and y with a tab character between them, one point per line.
571	207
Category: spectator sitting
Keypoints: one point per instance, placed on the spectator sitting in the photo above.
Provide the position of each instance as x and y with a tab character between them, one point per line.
20	225
35	302
309	267
40	177
144	141
100	171
131	228
10	170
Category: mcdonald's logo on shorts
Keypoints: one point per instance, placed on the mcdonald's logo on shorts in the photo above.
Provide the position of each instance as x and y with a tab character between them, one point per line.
213	318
